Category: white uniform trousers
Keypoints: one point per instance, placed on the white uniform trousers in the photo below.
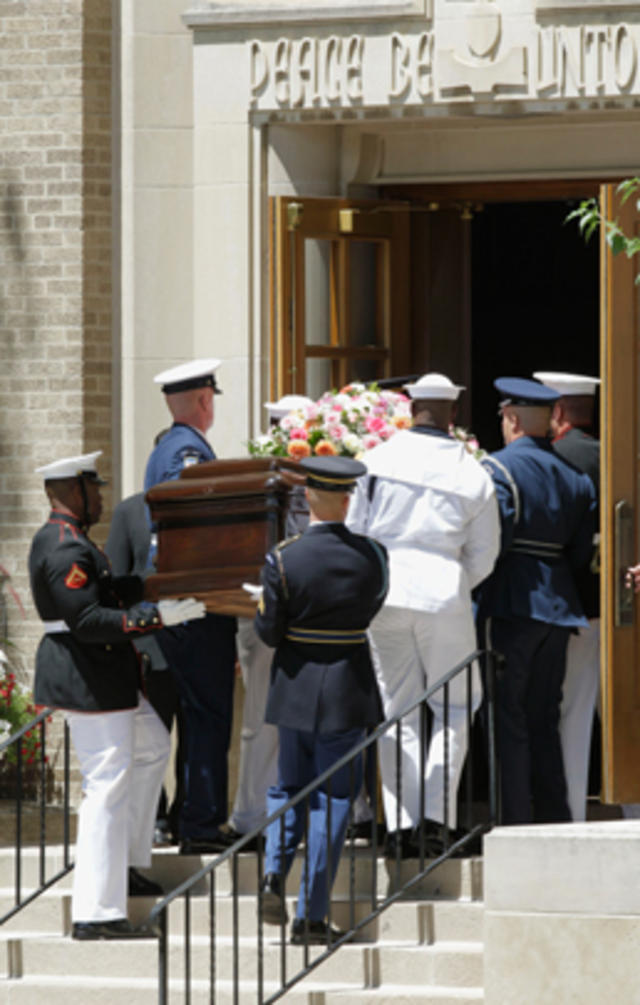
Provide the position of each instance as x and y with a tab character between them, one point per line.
580	692
258	767
122	757
412	650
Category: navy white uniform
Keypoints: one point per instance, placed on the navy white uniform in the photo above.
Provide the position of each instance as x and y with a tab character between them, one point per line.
320	592
547	511
434	508
202	656
86	663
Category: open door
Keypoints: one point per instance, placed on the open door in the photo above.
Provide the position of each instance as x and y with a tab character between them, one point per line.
620	509
340	293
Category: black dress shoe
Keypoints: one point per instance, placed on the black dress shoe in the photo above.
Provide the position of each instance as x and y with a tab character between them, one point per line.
140	886
318	933
401	844
119	929
274	908
212	845
251	845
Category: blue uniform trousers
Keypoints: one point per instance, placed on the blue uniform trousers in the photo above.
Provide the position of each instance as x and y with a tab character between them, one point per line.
528	697
202	655
302	757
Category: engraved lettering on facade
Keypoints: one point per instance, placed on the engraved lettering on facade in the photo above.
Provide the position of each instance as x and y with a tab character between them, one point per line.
625	58
400	71
485	58
305	74
281	71
353	69
258	69
597	42
424	66
571	58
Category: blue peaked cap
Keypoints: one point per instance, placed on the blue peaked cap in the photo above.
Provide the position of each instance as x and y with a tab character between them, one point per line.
519	391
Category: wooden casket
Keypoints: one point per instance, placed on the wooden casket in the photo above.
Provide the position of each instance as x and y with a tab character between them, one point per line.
215	524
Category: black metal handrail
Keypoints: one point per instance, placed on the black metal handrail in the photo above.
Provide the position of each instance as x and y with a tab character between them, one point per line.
452	844
11	751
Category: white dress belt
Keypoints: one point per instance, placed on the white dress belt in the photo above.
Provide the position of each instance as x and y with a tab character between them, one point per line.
55	627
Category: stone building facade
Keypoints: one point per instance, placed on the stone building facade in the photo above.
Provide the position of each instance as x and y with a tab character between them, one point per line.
56	249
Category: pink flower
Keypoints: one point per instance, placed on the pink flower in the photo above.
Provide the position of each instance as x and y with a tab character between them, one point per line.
337	431
374	424
299	434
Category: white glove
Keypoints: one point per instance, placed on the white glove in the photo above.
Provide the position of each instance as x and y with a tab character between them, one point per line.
173	612
255	592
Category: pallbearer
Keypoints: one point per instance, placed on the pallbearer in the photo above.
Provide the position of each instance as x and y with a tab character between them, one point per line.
86	664
547	511
573	439
321	590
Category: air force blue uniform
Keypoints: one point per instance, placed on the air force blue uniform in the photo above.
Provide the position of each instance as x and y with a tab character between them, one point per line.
547	511
202	656
321	590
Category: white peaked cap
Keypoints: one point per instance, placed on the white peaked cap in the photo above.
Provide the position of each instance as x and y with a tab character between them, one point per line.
195	373
288	403
435	386
568	384
71	467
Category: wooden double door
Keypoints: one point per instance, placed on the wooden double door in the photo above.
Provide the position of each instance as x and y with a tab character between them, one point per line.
371	289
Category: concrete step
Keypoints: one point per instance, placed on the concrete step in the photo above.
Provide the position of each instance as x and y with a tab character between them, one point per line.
447	963
402	995
420	922
453	879
133	991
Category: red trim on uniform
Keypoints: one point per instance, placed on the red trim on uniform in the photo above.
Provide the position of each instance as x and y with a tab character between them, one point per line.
64	525
76	578
130	629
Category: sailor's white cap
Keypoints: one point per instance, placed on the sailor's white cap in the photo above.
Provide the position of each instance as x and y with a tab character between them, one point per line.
568	384
73	467
288	403
187	376
435	386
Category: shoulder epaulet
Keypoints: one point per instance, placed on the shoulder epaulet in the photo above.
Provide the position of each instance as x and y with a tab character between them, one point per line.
288	540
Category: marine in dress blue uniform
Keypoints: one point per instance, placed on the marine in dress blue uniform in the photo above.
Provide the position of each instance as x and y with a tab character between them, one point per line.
547	511
86	663
321	590
202	656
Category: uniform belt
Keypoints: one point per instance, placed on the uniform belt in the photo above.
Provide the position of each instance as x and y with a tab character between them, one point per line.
538	549
328	637
55	627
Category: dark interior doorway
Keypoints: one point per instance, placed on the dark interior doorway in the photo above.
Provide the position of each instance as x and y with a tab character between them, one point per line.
534	301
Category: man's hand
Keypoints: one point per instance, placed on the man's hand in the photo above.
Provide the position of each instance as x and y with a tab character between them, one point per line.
632	578
173	612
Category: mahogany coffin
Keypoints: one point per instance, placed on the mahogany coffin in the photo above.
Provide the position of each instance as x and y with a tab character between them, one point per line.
215	524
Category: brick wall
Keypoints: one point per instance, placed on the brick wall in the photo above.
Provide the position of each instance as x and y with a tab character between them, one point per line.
55	261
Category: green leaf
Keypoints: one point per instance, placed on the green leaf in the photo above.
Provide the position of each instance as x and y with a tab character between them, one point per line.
617	242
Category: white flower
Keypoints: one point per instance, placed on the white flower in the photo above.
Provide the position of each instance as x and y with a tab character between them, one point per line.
352	443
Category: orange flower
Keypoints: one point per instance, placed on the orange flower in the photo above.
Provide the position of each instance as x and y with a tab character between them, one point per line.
298	449
325	448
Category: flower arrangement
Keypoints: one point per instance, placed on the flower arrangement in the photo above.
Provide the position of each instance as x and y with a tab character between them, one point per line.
16	710
340	423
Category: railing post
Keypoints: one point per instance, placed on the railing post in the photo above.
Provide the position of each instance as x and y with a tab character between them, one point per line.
163	964
492	661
